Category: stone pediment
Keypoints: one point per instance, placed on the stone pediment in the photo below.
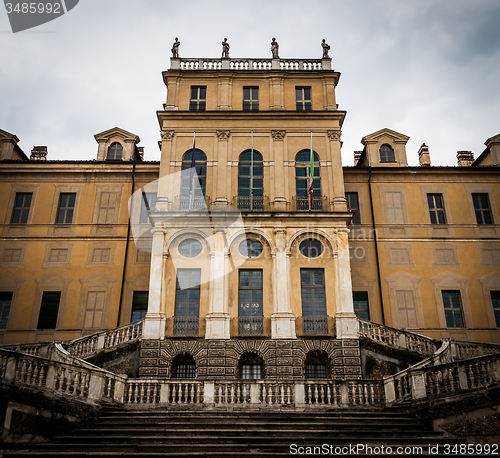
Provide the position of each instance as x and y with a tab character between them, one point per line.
7	136
494	139
377	136
117	132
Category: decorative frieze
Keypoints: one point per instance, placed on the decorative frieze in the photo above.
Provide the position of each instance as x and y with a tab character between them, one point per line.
334	135
278	135
167	135
223	135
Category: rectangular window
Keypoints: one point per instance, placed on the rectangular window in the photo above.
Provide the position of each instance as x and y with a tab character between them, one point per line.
482	208
315	371
453	309
313	301
58	255
303	98
250	99
148	203
360	300
22	206
95	309
143	256
12	255
187	302
5	303
49	309
139	305
198	98
107	207
406	309
495	300
250	302
445	256
251	371
436	208
394	208
186	371
353	206
491	256
66	208
101	254
400	256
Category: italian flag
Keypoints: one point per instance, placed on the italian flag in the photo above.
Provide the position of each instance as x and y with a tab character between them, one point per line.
311	177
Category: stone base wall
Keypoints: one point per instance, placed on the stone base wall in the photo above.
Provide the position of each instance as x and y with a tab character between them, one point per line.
218	359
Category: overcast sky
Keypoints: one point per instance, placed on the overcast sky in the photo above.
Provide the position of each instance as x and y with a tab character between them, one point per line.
429	69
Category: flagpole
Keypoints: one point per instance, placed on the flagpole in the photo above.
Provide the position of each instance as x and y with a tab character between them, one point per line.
192	173
311	177
251	173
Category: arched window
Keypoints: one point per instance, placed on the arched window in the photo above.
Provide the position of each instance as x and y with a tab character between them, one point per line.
302	173
250	181
115	152
386	154
197	200
183	366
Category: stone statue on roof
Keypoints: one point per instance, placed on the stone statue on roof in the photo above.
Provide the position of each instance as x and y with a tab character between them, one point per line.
225	49
326	48
275	49
175	48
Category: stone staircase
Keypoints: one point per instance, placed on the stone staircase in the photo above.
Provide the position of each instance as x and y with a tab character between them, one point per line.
214	433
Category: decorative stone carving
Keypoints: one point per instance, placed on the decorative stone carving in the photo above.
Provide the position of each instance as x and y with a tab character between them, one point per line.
175	48
275	49
334	135
326	48
167	135
278	135
223	135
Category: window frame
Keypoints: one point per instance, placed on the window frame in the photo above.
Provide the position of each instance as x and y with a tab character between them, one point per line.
139	305
358	301
388	155
251	323
67	209
481	211
191	313
49	322
251	103
24	211
303	103
115	152
451	316
437	213
5	311
198	103
353	207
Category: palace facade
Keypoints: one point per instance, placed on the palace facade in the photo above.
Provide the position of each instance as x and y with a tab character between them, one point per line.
241	259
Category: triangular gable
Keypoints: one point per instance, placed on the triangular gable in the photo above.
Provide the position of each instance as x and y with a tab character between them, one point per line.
116	132
375	137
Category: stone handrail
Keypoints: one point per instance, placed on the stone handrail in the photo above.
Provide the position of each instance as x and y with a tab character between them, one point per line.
44	349
86	346
91	384
439	375
464	350
397	338
197	63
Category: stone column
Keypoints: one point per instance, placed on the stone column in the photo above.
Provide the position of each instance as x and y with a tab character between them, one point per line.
154	325
282	319
223	171
279	199
218	321
338	202
346	321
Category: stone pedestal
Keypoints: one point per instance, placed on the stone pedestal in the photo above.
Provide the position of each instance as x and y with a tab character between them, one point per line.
218	326
283	325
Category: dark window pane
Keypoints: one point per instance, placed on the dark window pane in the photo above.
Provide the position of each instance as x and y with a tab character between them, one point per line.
49	309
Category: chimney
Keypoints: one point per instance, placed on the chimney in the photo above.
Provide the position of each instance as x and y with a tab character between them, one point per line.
465	158
424	158
357	155
140	149
39	153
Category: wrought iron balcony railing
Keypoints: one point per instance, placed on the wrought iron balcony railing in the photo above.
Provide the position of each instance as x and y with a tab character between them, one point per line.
186	326
315	325
250	326
251	203
186	203
301	203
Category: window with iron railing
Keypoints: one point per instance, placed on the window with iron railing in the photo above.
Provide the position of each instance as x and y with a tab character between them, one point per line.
250	181
314	318
250	309
302	182
187	302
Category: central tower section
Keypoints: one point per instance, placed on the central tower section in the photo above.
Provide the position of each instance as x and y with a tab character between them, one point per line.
254	243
